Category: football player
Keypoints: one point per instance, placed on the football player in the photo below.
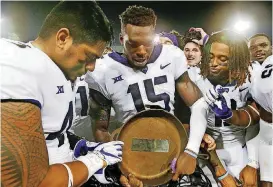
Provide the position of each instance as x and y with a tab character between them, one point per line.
225	72
143	76
260	47
37	99
262	94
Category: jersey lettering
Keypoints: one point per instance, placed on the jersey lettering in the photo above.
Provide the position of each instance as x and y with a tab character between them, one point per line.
84	100
267	72
150	92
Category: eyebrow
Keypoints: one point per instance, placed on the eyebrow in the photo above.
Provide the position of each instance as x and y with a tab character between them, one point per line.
260	44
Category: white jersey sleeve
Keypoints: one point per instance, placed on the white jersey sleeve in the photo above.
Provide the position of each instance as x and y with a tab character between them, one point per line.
262	88
96	79
17	82
179	60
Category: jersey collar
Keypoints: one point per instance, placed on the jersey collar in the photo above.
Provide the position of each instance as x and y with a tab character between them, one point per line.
123	60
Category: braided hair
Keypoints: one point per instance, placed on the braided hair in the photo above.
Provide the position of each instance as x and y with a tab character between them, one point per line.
239	57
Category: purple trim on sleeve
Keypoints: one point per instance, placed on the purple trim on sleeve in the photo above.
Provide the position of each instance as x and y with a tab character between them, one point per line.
32	101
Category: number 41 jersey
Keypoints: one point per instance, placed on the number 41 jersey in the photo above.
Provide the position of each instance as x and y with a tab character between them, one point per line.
131	90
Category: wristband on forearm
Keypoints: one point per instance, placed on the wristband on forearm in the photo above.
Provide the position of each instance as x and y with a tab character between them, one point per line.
190	152
70	175
223	176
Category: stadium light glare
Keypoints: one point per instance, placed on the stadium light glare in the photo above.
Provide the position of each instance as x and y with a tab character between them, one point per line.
241	26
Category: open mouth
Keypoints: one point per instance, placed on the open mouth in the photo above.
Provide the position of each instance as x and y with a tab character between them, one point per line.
259	55
140	61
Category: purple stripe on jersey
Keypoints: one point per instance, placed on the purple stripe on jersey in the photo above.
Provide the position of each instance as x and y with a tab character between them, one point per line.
119	58
32	101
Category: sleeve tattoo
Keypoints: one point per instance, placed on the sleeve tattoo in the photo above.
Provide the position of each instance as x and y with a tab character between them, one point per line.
24	158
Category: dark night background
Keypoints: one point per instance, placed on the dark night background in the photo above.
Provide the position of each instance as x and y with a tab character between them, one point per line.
25	18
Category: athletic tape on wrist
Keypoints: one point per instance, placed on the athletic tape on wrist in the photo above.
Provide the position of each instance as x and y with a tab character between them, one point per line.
190	152
70	175
223	176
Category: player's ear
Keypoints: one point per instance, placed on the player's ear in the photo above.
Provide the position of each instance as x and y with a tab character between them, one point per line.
63	39
121	38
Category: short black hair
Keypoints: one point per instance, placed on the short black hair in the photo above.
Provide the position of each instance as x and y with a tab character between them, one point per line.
138	15
85	20
239	59
261	34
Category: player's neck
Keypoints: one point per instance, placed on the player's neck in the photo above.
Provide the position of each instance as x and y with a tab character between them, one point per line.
43	46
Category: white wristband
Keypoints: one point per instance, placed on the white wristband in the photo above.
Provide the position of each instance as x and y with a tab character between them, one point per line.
190	152
92	161
250	119
223	176
70	176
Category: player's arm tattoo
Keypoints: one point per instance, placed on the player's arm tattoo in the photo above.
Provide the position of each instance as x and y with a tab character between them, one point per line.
187	90
100	109
24	158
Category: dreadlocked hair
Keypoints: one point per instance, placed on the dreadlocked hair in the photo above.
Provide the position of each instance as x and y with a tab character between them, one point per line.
239	57
138	16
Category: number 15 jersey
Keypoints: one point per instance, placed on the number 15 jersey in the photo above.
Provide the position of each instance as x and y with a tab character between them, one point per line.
132	90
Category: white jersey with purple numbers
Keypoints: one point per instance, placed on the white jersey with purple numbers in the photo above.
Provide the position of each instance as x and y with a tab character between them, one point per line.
131	90
29	75
223	133
262	88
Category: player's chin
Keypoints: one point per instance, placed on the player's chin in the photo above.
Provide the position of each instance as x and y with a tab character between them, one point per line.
140	64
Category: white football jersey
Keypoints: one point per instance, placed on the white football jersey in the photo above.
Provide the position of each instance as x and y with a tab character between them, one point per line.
222	132
131	90
29	75
262	88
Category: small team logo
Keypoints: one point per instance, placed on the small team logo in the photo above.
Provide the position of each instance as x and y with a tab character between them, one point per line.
162	67
242	89
118	78
60	89
222	90
81	78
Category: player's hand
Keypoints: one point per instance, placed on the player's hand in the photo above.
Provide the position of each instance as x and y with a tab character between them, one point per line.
248	176
204	36
112	151
83	146
219	102
131	181
185	165
208	143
